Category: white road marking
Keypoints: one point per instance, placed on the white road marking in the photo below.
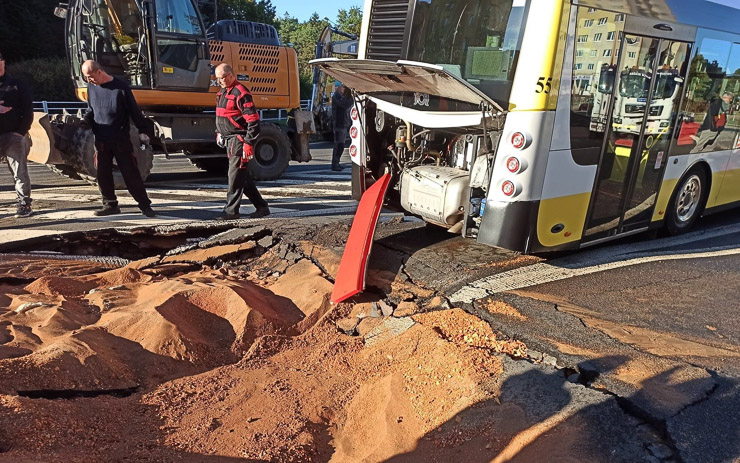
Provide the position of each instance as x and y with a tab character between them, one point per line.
588	262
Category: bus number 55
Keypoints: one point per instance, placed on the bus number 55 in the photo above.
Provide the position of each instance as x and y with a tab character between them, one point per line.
544	84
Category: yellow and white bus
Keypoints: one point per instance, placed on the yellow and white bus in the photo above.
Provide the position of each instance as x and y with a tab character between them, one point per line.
481	113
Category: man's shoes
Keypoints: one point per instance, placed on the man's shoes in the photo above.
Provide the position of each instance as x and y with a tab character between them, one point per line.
24	210
226	216
107	210
148	211
694	137
263	211
337	168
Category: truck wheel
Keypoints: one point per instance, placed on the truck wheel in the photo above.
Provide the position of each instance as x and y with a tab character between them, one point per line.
83	156
687	202
271	153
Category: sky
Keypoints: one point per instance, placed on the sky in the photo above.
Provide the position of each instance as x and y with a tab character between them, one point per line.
303	9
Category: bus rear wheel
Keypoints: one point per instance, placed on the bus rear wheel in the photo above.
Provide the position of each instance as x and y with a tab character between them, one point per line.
687	202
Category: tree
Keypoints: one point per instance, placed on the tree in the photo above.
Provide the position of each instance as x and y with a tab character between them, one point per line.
350	20
29	29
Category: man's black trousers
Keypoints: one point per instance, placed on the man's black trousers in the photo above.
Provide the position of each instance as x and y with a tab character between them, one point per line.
240	180
123	152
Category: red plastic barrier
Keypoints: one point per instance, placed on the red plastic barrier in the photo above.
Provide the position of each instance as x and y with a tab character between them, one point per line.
351	274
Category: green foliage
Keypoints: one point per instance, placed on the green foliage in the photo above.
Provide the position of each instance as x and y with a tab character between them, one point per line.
261	11
48	78
303	36
350	20
29	29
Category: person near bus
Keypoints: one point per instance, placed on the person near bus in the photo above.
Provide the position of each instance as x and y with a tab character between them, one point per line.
16	116
341	101
237	128
714	122
110	106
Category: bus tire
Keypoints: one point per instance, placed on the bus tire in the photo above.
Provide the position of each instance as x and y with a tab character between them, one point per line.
687	202
271	153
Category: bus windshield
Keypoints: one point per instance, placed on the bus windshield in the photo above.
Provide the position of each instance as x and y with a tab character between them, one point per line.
634	84
666	83
475	40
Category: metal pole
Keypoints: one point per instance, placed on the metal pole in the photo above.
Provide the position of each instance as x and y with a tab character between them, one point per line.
215	11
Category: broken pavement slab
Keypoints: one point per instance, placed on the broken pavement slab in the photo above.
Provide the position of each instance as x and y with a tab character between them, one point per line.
657	387
388	327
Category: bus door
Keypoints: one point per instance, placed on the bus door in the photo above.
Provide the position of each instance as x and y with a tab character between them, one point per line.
640	125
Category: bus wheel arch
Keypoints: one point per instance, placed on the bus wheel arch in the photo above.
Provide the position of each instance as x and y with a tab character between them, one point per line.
688	199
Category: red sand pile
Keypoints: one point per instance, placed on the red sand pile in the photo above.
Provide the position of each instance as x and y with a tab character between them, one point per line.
206	367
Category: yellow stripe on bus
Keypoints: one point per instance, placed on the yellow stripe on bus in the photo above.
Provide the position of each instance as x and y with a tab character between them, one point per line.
570	211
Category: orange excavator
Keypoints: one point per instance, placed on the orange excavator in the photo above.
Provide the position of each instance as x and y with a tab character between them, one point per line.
162	49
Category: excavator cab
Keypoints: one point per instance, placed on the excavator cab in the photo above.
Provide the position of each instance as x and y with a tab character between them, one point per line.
152	44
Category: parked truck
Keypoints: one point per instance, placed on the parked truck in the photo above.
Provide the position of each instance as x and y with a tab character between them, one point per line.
163	50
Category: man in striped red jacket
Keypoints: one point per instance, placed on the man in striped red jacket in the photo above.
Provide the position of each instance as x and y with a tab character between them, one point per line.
237	126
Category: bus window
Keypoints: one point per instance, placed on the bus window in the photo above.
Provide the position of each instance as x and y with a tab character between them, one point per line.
712	87
478	40
594	74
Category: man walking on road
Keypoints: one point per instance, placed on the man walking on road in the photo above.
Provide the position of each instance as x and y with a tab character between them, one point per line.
340	104
16	116
237	127
110	105
714	122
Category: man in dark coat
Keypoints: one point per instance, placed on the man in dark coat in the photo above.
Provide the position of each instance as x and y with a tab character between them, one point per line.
237	127
16	116
110	105
714	122
341	102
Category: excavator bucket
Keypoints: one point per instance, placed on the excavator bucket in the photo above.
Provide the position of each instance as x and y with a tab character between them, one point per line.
353	266
43	149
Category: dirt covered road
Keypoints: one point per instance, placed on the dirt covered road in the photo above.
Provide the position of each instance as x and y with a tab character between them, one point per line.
227	349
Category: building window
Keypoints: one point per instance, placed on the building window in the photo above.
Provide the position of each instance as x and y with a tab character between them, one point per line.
588	23
579	52
597	37
602	21
607	52
591	10
579	66
619	18
631	54
590	66
610	36
582	38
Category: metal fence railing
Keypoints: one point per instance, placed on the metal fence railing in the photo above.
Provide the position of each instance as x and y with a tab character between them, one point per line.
58	107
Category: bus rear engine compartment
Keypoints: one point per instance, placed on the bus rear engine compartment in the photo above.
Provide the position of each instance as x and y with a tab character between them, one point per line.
440	175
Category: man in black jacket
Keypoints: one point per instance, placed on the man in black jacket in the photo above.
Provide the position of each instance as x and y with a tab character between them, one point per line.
16	116
110	105
341	101
714	122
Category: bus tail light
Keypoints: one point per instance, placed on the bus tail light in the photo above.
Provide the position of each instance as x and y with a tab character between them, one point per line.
354	114
353	132
353	150
520	140
509	188
515	165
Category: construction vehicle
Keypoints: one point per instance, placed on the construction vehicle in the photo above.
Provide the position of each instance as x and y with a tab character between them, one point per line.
162	49
327	47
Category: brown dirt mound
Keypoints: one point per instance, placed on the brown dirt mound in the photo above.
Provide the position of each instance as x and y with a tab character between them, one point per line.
65	286
120	276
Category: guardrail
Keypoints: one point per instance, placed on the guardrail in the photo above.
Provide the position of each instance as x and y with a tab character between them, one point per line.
58	107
